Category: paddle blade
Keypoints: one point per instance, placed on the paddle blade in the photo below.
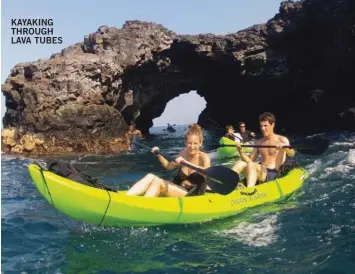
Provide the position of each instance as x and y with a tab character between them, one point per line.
311	146
221	180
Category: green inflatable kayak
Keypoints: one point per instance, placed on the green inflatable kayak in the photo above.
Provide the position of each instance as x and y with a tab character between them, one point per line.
110	208
229	152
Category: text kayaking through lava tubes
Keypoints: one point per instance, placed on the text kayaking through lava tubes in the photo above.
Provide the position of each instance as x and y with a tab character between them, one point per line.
34	31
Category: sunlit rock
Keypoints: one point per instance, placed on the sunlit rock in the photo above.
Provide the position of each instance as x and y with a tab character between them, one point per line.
300	65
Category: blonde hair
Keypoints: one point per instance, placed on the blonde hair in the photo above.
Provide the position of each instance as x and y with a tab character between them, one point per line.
194	129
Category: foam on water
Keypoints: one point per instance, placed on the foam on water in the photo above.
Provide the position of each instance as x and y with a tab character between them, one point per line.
351	157
313	168
262	233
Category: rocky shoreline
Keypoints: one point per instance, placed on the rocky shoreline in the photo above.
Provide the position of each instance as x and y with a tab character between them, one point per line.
299	65
40	145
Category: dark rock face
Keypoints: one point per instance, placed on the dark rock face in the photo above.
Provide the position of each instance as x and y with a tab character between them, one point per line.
300	65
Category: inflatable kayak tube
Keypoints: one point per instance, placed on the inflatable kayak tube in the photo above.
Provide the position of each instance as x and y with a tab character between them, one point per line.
229	152
102	207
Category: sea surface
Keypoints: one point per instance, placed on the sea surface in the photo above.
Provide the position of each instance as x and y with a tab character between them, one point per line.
312	232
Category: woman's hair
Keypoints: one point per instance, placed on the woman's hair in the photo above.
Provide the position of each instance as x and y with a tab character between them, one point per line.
194	129
229	127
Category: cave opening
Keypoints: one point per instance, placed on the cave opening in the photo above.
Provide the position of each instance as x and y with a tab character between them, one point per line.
182	110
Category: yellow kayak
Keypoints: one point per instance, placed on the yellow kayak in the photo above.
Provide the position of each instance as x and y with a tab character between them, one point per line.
102	207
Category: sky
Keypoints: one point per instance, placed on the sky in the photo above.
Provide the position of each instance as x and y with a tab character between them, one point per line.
74	19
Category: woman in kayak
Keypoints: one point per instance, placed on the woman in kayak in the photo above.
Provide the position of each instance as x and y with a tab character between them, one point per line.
185	179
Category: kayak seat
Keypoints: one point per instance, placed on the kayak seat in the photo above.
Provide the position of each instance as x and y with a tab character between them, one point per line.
197	190
67	170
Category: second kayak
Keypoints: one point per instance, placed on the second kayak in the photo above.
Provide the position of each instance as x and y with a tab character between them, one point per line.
229	152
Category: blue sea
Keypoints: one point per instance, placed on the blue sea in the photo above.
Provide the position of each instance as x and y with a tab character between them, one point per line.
311	232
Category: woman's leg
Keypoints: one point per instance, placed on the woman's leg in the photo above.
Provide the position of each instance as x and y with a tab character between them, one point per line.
173	190
154	188
250	173
160	187
255	172
141	186
240	166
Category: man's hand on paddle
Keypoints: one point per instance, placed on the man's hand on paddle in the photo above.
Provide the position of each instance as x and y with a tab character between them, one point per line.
280	146
238	146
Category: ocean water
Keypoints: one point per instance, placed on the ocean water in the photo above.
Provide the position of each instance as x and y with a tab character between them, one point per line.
312	232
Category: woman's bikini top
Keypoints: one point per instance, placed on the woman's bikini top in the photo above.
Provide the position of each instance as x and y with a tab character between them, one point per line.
194	178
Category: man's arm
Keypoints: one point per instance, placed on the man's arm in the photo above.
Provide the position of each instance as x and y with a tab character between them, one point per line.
290	152
247	158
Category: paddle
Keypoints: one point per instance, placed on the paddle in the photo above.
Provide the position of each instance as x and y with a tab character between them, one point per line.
310	146
220	179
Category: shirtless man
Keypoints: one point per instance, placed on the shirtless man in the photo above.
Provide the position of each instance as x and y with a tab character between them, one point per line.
271	158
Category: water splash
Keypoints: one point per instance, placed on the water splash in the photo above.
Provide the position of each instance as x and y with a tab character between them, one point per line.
255	234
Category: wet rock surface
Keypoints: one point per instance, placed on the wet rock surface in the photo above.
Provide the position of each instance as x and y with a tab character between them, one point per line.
300	65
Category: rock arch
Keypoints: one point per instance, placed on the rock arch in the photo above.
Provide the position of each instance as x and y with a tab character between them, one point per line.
299	65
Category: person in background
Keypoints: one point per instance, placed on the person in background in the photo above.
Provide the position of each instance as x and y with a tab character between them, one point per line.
244	133
133	133
170	128
232	135
185	179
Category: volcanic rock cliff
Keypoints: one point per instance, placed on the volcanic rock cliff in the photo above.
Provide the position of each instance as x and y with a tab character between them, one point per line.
300	65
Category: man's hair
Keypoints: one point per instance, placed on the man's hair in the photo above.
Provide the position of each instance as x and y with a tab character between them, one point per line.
240	123
267	116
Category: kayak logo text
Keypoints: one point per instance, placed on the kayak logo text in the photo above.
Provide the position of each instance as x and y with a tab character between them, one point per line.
247	199
239	201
